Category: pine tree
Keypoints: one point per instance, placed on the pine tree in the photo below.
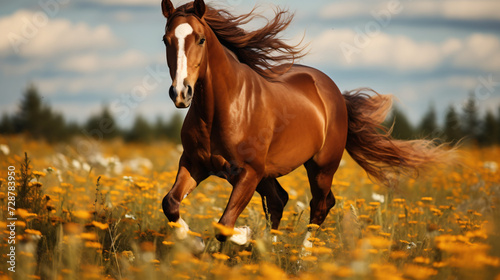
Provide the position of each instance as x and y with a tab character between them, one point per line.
428	127
6	124
102	125
173	128
401	127
471	119
53	126
38	120
498	127
141	131
30	117
489	130
159	128
452	129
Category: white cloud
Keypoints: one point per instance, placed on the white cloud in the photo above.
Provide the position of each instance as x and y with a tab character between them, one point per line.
128	2
480	51
123	16
349	48
467	9
450	9
35	35
77	85
339	10
340	47
135	2
94	62
114	76
466	83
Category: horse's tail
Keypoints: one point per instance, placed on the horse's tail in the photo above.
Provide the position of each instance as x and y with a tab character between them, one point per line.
371	146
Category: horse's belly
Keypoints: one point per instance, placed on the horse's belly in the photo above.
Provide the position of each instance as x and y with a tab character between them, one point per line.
297	142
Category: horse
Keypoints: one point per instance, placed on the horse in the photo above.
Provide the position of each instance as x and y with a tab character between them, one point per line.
254	115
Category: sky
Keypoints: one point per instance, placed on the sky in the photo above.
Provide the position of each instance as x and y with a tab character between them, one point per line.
86	54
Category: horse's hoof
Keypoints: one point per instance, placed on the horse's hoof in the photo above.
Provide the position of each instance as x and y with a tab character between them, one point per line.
306	244
182	232
196	245
221	237
242	236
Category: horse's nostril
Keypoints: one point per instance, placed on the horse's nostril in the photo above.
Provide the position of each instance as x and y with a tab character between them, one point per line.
189	92
173	93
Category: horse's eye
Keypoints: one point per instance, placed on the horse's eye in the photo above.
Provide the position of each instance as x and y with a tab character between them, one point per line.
202	41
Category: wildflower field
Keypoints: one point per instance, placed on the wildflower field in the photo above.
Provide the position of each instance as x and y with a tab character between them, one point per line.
99	217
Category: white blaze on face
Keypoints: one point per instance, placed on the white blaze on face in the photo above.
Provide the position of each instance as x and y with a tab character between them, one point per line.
181	32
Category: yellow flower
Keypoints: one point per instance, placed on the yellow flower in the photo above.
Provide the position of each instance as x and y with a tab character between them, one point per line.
91	244
38	174
276	232
418	272
319	250
309	258
360	202
32	231
374	204
379	242
421	260
174	225
81	214
312	226
192	233
100	225
88	236
226	231
374	227
220	256
384	234
24	214
35	184
269	271
398	255
251	267
244	253
67	185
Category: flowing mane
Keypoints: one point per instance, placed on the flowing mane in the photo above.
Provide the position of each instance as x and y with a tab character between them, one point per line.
261	49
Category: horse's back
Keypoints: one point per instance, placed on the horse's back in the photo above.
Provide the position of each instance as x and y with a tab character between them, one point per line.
325	86
321	89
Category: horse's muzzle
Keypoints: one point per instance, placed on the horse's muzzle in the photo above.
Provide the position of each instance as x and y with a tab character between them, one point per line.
182	100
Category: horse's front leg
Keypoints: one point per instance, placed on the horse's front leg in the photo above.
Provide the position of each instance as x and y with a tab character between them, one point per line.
188	177
244	187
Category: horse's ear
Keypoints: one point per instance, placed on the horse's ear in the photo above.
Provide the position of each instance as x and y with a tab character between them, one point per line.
167	8
199	8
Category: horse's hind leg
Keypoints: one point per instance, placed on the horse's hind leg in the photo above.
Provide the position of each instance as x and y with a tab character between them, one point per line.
274	199
320	179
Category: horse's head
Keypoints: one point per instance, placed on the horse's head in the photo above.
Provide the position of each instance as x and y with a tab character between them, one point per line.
185	42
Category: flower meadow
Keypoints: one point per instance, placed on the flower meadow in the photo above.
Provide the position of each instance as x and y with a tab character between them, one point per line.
98	216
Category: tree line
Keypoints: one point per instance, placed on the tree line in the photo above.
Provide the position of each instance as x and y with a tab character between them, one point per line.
39	121
464	124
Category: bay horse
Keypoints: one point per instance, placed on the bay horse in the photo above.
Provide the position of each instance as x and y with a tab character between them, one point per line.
254	116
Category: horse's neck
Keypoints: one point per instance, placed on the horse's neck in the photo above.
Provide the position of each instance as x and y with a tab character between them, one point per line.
220	83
